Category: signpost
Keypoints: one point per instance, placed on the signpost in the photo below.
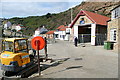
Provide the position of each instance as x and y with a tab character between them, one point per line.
38	43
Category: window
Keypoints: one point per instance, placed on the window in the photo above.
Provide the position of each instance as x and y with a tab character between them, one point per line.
63	36
116	13
56	35
60	36
21	46
67	30
113	35
8	46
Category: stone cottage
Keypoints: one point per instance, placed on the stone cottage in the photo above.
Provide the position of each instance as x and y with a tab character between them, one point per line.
114	28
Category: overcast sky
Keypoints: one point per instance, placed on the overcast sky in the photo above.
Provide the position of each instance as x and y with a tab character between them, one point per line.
33	8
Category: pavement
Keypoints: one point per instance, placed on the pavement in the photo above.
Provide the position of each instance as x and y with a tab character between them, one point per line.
79	62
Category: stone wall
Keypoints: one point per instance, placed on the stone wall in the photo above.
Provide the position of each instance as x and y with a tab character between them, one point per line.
119	35
114	24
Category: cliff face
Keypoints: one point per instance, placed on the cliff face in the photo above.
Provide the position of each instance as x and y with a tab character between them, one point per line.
103	8
51	21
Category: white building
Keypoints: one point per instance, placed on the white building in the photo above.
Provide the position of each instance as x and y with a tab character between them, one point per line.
7	25
62	33
39	31
18	28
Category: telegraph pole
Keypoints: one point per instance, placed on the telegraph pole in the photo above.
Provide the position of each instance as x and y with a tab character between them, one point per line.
71	15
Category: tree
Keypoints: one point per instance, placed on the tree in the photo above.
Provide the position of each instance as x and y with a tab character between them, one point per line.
48	15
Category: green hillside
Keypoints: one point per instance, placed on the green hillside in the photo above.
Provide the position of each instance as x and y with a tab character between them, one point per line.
51	21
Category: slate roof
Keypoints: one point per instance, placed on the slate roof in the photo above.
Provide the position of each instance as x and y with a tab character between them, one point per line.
42	30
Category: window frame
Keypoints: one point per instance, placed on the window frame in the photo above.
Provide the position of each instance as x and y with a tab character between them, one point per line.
18	44
113	34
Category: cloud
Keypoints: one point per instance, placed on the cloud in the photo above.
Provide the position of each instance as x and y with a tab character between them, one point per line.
24	9
19	9
40	0
0	9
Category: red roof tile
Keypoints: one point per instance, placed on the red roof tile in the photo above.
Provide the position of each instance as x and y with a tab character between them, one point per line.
63	28
60	27
95	18
50	32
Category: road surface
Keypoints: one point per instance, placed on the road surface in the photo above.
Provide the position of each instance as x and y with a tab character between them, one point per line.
80	62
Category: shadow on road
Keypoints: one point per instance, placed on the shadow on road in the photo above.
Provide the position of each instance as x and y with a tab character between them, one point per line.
73	67
54	62
60	61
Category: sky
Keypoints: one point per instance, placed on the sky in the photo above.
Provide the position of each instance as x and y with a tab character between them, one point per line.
9	9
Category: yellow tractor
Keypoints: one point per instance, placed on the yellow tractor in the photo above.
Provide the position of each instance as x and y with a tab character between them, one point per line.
15	56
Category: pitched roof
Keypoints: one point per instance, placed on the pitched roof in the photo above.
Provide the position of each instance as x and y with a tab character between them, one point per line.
95	18
62	28
50	32
42	30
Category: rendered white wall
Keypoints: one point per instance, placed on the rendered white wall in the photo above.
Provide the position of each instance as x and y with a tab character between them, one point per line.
76	31
93	29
